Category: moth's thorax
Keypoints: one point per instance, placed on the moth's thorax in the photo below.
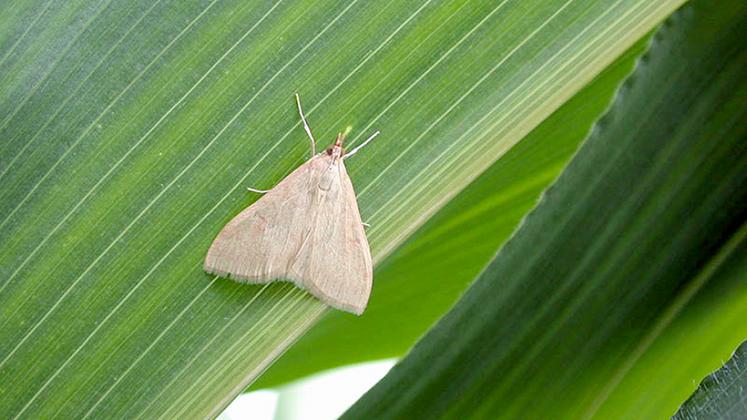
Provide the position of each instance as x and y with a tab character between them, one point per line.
329	175
335	151
334	158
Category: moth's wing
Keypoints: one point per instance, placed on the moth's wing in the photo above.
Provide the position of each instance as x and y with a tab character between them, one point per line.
334	261
259	244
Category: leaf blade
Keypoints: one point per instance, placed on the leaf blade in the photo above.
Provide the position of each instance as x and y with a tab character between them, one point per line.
721	394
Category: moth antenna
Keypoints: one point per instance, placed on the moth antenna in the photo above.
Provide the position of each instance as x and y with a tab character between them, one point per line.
360	146
306	125
258	191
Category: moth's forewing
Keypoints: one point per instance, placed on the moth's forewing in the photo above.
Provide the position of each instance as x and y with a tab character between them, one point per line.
308	230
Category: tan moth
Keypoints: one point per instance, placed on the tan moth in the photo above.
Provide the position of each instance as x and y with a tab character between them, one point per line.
307	229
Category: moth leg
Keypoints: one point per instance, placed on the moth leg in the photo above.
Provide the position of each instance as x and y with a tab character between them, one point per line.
360	146
257	191
306	126
365	224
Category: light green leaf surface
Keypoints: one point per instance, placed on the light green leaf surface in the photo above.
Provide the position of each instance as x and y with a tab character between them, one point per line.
130	130
644	229
722	394
422	279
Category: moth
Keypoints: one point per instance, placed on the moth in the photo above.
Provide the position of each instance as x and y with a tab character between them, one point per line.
307	229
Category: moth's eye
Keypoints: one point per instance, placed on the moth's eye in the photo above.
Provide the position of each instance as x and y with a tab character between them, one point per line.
329	151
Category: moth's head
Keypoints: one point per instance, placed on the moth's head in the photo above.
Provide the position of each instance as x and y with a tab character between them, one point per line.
336	150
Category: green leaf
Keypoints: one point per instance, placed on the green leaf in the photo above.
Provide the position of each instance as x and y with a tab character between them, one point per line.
132	128
721	394
645	217
422	279
694	335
